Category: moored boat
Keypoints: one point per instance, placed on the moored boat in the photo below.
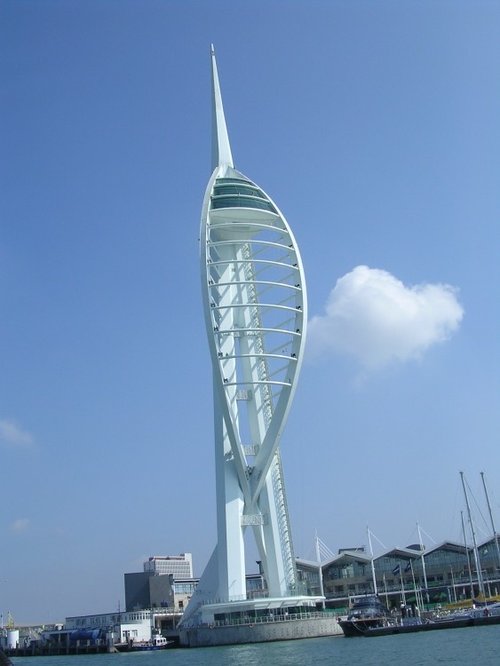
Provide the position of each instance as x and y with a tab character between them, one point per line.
365	614
156	643
364	621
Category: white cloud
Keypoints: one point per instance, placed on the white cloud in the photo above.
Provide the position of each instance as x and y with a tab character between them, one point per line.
20	525
374	317
12	435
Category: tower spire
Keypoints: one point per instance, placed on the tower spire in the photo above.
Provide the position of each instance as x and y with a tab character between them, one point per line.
221	150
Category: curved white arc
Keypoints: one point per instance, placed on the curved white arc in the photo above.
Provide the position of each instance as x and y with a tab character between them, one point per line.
235	306
301	273
265	456
260	355
254	242
221	149
227	331
284	403
269	283
235	443
272	438
255	261
228	418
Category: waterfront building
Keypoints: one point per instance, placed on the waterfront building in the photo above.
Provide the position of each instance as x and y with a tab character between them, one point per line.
122	627
445	573
255	307
346	574
308	577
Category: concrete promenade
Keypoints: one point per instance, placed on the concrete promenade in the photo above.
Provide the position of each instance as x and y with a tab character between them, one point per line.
293	627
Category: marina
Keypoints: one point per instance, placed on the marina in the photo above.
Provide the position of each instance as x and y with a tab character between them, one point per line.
369	618
448	647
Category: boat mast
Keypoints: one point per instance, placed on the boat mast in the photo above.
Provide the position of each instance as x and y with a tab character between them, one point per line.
371	561
453	584
468	555
414	582
474	542
422	558
320	571
385	590
495	535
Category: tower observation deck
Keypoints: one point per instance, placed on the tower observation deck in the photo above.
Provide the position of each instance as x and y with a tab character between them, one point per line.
254	300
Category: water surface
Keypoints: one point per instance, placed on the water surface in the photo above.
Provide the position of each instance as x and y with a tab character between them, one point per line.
469	645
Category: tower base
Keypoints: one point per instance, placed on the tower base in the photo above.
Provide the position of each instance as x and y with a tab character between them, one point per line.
260	621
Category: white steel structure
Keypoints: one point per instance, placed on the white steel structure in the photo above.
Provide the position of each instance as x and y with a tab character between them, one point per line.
254	299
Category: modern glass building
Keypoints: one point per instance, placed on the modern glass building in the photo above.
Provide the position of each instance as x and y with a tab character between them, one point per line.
445	573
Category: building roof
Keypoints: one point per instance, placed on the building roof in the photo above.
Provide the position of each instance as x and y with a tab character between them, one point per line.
348	556
306	563
400	553
447	545
488	541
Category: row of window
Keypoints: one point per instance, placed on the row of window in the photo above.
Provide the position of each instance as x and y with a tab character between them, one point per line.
105	620
439	561
173	568
184	588
241	201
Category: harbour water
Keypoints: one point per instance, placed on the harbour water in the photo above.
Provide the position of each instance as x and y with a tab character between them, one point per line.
469	645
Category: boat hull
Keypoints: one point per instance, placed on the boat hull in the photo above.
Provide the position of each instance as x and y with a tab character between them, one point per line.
352	629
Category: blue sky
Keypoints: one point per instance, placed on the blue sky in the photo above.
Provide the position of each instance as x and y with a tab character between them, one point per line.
374	127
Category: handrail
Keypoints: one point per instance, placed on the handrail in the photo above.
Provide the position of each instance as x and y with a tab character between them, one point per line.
272	618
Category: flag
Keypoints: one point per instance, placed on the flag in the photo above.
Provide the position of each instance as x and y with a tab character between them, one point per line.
408	566
397	570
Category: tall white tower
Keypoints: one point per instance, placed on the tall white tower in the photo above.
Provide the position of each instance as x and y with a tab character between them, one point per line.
254	299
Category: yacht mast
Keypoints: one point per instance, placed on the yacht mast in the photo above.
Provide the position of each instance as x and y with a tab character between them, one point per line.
476	552
495	535
423	562
468	555
371	561
320	571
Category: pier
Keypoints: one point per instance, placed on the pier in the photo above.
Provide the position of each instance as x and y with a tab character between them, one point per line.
34	650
